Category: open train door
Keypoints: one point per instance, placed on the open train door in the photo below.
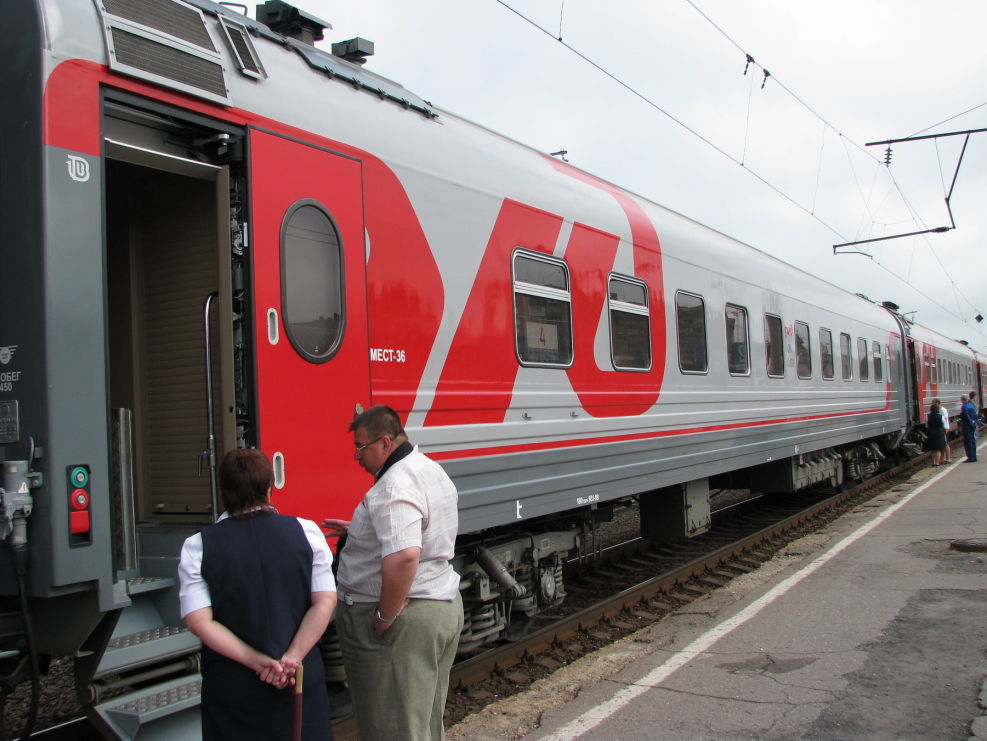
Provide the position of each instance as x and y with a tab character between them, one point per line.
310	315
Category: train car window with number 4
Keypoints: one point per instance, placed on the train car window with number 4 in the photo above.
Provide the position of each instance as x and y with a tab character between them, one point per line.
542	310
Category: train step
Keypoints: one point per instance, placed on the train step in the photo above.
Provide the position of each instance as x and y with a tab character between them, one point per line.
165	711
148	632
144	584
134	650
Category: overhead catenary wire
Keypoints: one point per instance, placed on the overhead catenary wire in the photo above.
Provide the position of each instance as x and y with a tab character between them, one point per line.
809	211
661	110
897	187
927	128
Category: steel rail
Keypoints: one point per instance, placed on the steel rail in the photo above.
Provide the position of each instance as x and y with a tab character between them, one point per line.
480	667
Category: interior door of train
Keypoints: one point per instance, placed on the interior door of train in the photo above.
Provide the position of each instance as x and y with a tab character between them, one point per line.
310	311
168	250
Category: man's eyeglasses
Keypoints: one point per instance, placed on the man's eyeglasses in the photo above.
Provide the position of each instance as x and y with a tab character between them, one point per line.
359	448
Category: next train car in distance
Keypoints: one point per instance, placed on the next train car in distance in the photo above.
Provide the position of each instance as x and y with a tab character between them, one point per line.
216	235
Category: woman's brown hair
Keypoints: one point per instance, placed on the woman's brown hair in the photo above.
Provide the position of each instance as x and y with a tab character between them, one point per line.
245	477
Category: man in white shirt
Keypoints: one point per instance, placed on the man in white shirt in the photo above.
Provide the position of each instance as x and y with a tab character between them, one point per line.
400	613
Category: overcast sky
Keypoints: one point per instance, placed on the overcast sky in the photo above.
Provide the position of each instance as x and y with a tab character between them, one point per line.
870	70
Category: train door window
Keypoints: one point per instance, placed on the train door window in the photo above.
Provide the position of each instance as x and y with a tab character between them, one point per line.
846	357
803	354
630	324
542	311
774	347
738	341
826	354
878	368
690	311
862	358
312	281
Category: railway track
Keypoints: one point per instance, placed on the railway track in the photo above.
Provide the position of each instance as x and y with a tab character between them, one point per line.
629	586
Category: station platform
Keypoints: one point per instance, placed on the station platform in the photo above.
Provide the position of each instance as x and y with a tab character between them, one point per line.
872	629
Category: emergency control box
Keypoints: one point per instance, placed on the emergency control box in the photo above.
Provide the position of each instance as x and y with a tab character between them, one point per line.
80	506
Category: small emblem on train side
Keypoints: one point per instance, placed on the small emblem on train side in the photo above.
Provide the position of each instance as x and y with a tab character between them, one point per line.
78	168
6	353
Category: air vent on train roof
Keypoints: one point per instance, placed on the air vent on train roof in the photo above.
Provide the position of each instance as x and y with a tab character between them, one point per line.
165	42
242	48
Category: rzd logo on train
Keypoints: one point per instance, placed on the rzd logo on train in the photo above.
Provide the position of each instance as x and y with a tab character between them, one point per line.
78	168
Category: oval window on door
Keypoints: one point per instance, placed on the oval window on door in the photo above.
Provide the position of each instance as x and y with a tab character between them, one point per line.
312	297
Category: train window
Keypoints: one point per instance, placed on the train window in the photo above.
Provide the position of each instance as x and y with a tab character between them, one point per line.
803	355
774	348
826	353
542	310
862	358
311	281
878	369
690	311
935	376
846	357
738	341
630	324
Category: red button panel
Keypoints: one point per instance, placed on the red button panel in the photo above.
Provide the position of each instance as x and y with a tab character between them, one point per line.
79	522
80	502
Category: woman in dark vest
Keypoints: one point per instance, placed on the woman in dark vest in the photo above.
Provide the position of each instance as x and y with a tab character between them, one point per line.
936	429
257	589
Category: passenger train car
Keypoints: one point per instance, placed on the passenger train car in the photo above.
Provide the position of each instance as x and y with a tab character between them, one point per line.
216	235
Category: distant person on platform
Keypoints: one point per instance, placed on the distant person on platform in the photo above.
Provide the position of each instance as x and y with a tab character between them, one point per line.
947	450
400	613
968	422
257	589
937	433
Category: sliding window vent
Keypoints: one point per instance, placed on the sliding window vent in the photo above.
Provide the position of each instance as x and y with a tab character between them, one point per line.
242	48
164	42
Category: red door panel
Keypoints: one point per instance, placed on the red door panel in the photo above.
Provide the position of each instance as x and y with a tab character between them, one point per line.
304	407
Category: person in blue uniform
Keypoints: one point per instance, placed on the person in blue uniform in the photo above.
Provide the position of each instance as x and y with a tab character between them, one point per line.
968	421
258	591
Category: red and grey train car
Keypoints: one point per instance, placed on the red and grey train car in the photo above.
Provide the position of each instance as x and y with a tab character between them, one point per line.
216	235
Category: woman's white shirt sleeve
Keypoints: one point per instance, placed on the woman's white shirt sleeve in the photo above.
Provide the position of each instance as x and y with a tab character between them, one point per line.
322	578
193	592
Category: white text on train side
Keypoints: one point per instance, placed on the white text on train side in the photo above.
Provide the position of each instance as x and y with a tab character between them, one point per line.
386	355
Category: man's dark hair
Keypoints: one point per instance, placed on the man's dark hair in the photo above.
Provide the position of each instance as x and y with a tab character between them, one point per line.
245	475
378	421
973	395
